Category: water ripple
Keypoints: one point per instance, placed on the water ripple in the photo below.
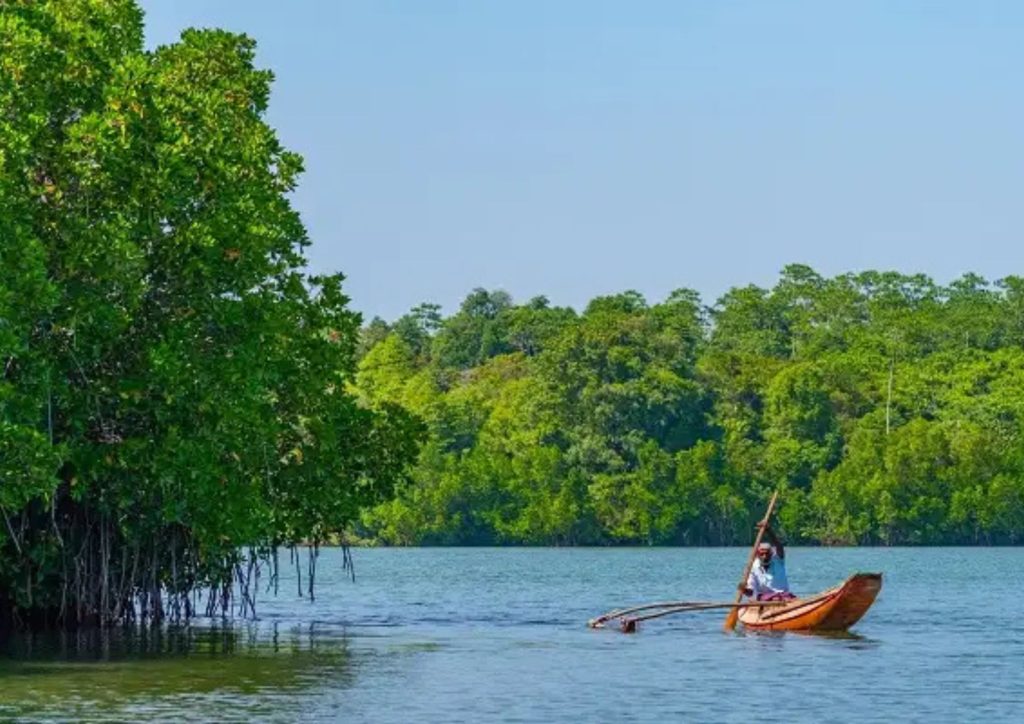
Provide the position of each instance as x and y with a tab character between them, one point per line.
498	635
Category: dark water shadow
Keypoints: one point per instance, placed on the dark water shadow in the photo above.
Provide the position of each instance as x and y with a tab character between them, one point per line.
66	675
851	639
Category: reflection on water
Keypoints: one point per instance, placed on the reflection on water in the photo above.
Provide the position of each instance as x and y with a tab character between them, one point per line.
226	672
851	636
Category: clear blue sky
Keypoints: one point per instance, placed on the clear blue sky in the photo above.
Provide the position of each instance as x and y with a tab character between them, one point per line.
579	147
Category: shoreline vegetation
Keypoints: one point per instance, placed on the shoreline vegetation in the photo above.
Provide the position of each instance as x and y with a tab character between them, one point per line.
174	385
887	408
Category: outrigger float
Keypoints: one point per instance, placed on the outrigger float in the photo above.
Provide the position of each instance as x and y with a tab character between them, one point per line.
835	609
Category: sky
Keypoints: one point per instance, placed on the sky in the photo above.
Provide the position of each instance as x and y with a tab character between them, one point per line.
574	148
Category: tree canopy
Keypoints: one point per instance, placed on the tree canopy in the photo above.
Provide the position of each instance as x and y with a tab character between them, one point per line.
173	385
886	406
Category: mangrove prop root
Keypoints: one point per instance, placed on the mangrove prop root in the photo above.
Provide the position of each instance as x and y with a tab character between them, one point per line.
96	574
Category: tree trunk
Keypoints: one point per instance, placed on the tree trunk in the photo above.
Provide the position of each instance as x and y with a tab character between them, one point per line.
888	396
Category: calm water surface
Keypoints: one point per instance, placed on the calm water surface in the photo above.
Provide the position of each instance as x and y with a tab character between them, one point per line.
498	635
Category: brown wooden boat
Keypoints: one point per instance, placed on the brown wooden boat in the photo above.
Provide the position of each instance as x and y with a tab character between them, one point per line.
833	610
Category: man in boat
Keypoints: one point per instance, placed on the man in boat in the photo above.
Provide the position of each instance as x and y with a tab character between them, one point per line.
767	580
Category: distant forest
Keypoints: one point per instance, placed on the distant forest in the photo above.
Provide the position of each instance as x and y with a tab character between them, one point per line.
887	408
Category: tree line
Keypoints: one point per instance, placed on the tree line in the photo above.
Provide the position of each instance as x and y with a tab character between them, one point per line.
886	407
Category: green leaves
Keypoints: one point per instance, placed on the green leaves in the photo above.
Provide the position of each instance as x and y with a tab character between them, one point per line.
173	385
887	406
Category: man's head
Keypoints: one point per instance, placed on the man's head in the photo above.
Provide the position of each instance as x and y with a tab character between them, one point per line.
764	553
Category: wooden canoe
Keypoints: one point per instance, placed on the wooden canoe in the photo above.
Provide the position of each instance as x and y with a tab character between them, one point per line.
833	610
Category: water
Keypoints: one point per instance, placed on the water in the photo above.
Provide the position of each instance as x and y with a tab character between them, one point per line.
498	635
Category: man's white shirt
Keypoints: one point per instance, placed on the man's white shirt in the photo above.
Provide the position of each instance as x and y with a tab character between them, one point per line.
771	580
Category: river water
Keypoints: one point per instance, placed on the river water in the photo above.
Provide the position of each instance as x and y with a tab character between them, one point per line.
478	634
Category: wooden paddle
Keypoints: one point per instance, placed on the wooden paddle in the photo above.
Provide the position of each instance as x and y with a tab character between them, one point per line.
730	619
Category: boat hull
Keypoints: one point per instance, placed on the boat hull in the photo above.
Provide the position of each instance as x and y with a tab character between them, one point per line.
833	610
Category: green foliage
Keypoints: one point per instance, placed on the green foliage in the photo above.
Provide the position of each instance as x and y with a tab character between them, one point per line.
889	408
173	386
478	331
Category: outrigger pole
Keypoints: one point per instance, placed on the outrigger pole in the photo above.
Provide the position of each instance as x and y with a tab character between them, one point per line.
628	623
